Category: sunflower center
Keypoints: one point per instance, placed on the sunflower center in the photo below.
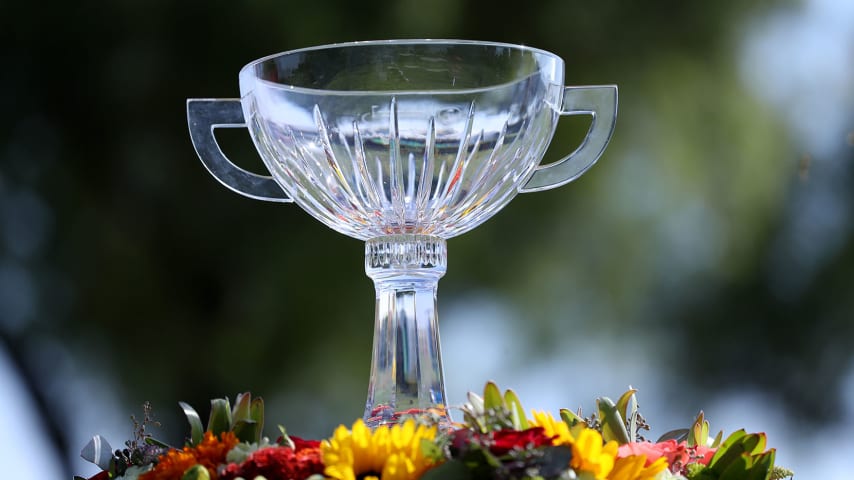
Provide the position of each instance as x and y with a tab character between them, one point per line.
369	475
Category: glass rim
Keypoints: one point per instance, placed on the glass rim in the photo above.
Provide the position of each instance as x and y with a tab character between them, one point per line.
245	70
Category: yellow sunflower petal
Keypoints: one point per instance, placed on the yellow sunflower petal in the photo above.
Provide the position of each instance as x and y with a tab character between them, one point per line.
390	453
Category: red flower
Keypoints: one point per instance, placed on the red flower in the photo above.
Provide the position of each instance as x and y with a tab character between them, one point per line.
301	444
278	463
101	476
505	440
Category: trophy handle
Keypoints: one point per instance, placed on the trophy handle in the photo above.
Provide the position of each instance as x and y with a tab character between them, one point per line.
601	103
204	115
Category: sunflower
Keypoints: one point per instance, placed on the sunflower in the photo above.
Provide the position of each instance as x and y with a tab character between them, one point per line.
632	468
553	428
388	453
590	453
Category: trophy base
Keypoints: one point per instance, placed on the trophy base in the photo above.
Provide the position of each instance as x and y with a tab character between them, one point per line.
386	415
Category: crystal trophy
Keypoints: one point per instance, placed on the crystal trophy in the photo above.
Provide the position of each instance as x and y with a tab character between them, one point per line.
403	144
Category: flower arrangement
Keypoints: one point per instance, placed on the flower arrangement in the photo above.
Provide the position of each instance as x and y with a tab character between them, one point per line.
495	441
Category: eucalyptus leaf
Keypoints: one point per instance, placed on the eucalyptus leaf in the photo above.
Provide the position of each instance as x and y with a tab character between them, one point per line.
99	452
197	431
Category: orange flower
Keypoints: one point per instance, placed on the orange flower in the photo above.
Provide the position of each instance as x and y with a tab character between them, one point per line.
210	453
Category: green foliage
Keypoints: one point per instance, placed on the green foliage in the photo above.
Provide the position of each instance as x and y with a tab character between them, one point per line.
742	456
494	411
469	458
613	425
246	419
141	451
196	472
196	428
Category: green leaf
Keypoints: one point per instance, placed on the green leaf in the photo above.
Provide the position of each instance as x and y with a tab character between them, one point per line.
99	452
738	445
492	397
570	418
516	410
717	441
196	472
696	471
256	413
241	407
763	466
727	452
246	431
220	419
623	402
761	444
286	440
197	431
450	470
699	432
431	449
613	425
736	469
156	442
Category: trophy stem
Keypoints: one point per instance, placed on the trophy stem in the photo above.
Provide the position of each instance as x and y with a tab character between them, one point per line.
406	367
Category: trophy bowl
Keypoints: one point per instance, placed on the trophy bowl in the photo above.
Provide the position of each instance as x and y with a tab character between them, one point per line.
403	144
